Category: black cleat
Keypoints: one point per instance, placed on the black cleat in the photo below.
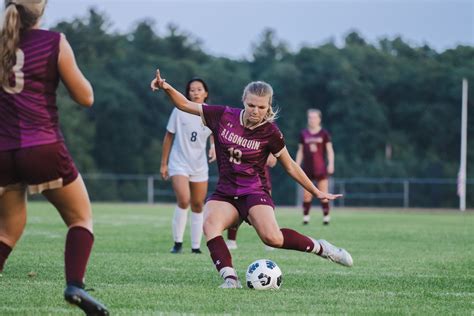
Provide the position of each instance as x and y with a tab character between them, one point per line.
305	222
197	250
177	248
79	297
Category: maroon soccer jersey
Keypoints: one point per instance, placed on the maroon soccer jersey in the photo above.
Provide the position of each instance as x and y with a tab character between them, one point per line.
28	112
314	152
241	152
268	179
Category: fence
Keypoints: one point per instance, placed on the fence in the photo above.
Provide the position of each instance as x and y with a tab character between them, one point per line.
405	192
382	192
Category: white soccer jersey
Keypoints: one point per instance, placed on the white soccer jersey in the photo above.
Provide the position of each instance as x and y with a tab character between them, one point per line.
189	147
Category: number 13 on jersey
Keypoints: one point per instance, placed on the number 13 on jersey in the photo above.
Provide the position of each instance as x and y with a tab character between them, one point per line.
235	155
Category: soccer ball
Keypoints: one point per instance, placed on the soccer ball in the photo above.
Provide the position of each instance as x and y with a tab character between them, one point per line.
263	274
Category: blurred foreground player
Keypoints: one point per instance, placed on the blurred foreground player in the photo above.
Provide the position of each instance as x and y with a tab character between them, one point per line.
33	155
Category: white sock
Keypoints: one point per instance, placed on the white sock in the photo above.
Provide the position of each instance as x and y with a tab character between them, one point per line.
226	272
197	220
179	223
317	246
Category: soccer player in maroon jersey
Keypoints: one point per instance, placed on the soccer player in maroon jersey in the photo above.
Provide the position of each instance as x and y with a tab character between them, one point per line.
314	146
244	138
33	155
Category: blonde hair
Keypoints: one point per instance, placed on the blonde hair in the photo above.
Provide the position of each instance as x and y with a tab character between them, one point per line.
315	111
262	89
19	16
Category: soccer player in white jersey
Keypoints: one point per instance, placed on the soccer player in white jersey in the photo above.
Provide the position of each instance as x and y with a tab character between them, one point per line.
184	161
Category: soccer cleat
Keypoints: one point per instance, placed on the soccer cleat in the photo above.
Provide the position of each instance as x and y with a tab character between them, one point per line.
197	250
79	297
334	254
231	244
230	283
269	248
305	219
177	248
326	219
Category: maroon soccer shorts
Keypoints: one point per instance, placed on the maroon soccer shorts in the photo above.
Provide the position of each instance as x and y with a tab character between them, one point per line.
39	167
244	203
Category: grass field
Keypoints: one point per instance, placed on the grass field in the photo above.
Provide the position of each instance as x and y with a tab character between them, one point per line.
404	263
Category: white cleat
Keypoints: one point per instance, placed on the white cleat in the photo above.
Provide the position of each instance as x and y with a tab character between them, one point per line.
230	283
231	244
326	219
269	248
334	254
306	219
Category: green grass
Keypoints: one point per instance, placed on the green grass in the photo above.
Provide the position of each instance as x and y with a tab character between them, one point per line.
404	263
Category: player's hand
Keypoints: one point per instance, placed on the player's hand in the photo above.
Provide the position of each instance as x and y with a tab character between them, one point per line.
212	154
164	172
331	169
327	196
158	82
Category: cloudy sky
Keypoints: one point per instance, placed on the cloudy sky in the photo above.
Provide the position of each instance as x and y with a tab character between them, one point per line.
228	27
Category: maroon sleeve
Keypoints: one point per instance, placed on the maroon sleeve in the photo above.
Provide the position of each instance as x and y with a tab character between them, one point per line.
301	138
327	137
276	142
212	114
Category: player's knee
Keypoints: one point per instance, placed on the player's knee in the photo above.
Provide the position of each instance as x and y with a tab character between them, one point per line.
9	240
196	207
183	204
273	240
211	228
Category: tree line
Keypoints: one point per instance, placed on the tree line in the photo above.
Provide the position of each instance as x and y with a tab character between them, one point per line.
393	109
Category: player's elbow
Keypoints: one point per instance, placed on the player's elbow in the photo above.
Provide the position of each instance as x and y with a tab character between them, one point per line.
87	101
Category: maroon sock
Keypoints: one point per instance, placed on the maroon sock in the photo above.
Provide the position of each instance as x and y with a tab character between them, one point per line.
79	242
306	207
325	206
295	241
232	233
219	253
4	253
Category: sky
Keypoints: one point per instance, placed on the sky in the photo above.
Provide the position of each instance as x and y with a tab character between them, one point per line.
229	27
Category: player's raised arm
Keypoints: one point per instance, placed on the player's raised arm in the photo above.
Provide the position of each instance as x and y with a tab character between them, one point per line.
295	171
178	99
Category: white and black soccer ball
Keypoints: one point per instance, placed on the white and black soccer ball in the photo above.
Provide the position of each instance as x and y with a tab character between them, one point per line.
263	274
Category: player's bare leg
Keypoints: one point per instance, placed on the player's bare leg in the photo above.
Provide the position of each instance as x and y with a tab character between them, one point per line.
182	192
263	219
198	195
307	199
72	203
220	215
323	185
12	221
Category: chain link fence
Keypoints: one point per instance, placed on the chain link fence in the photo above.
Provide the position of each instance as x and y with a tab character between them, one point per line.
381	192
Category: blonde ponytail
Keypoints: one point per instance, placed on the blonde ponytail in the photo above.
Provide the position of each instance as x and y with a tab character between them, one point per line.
9	40
19	16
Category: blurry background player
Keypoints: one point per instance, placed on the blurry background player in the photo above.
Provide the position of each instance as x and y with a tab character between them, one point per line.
244	138
232	231
314	146
32	150
187	166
